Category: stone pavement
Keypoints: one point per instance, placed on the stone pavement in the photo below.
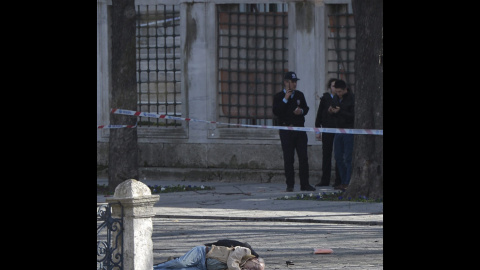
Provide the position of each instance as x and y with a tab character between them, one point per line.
279	230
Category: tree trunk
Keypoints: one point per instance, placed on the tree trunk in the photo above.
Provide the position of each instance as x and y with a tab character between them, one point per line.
123	148
367	169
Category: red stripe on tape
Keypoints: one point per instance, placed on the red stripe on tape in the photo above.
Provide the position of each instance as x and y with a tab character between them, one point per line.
328	130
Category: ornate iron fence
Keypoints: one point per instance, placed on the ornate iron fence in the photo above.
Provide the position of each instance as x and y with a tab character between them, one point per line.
109	238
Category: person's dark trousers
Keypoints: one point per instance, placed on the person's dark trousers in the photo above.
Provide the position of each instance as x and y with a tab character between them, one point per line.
338	180
327	149
343	146
291	141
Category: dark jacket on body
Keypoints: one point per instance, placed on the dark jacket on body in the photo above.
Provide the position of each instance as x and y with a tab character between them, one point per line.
344	118
284	112
324	119
232	243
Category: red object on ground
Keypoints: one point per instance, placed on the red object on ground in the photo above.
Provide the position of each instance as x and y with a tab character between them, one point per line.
322	251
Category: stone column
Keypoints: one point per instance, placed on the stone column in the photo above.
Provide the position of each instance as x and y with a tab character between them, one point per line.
137	201
103	67
302	51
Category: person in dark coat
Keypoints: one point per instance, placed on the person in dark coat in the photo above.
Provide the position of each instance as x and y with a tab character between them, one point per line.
232	243
342	110
290	108
325	120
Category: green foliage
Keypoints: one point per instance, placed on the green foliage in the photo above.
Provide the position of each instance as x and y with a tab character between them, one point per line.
103	189
178	188
333	196
101	167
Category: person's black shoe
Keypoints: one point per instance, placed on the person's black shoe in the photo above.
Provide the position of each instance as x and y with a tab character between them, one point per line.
289	189
321	185
307	188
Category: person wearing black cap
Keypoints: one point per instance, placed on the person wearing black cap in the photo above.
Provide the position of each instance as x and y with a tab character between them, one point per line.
290	107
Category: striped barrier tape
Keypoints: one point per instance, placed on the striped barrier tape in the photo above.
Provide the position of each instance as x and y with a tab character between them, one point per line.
116	126
317	130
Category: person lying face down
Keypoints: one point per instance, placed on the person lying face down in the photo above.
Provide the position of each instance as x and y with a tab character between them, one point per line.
233	243
215	258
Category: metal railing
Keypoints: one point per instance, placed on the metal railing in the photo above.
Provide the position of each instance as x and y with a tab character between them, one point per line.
109	238
158	63
341	45
252	58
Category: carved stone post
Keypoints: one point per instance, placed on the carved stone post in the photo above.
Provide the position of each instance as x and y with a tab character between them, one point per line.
137	201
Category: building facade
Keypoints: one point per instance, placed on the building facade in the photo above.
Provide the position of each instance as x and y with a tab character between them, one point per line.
221	62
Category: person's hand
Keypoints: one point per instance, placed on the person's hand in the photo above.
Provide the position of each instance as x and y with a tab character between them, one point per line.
298	111
288	93
318	136
333	110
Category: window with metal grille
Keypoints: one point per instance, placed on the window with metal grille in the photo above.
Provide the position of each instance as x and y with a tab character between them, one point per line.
252	58
341	45
158	63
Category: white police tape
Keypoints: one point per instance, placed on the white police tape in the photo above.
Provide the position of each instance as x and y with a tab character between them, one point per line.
317	130
116	126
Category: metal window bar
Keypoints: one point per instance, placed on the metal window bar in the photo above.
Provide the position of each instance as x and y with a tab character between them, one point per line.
158	63
109	248
252	57
341	45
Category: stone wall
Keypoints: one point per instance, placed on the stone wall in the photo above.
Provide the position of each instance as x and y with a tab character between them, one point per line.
199	151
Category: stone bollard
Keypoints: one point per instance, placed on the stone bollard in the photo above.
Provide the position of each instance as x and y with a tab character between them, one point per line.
137	201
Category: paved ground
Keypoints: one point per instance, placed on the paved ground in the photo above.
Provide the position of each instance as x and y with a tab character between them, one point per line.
279	230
